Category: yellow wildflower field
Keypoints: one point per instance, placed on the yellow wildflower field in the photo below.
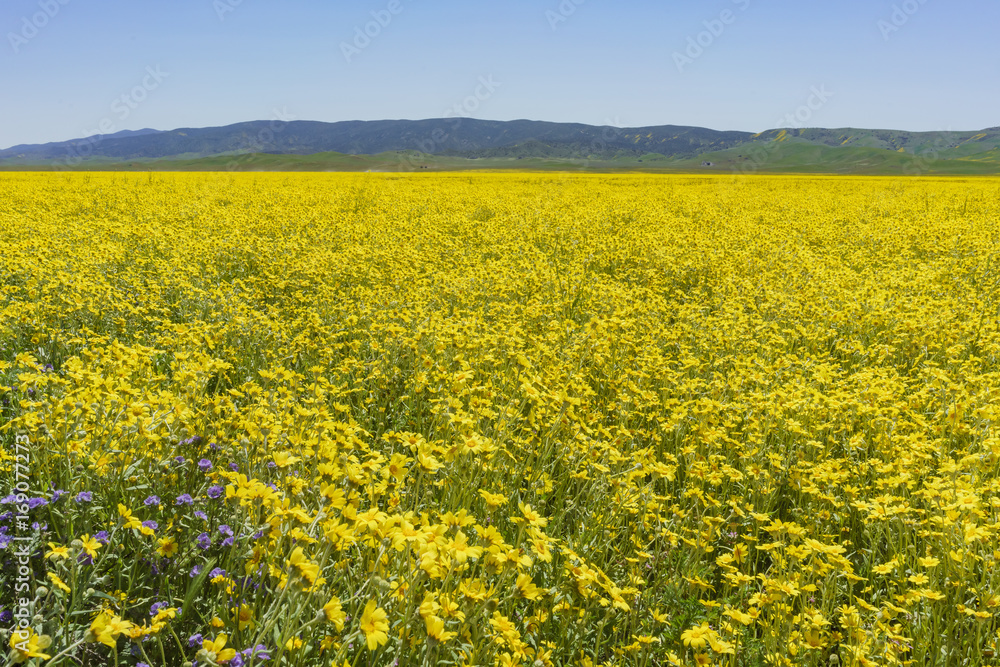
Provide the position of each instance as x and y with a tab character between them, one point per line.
499	419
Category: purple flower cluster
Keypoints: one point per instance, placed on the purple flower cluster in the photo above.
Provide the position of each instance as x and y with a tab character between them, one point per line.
247	656
32	502
204	541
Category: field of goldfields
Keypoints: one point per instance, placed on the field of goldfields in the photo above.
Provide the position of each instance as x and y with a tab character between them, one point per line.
499	419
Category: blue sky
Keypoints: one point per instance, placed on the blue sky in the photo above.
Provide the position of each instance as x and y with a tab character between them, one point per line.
67	67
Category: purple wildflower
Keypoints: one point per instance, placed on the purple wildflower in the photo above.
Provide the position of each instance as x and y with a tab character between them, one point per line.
259	651
84	497
184	499
215	491
151	500
152	525
195	571
102	537
204	541
194	640
205	465
201	515
217	572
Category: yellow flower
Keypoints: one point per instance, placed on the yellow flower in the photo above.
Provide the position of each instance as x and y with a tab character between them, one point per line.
461	550
244	617
527	588
107	627
168	546
57	552
374	625
307	568
494	500
739	616
435	629
428	462
59	583
26	644
90	545
698	636
215	651
334	613
285	459
532	517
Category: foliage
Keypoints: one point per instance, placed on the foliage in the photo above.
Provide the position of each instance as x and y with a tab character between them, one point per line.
501	419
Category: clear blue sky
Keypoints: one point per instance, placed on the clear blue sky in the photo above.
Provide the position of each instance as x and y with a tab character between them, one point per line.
65	64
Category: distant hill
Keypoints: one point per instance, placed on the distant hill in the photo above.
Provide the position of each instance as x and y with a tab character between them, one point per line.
466	136
472	143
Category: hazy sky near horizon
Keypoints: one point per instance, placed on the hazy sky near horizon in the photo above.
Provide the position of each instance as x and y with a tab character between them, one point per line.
70	68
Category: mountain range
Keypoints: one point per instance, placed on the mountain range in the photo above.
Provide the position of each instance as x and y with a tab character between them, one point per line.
455	143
